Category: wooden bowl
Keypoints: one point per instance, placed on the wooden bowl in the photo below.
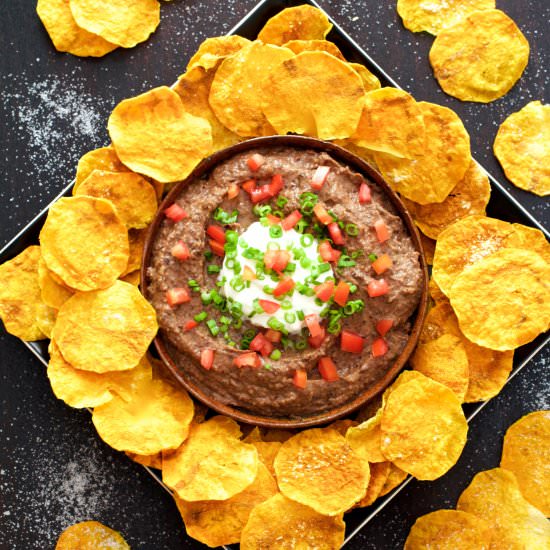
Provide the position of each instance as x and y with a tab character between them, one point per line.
360	166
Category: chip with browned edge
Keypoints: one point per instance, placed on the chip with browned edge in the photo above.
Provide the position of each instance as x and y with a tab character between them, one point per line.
365	440
216	48
91	535
370	81
379	472
104	158
54	294
396	476
299	46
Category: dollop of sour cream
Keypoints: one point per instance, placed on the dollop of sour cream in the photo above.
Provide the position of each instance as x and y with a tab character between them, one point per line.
295	306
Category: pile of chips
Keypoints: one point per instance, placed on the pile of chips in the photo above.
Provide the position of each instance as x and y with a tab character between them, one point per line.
90	535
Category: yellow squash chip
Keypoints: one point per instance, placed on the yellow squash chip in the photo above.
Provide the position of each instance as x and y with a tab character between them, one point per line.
395	477
45	319
502	301
370	81
66	35
481	57
104	158
318	468
314	94
267	451
494	496
522	146
84	242
53	293
391	122
435	292
105	330
158	117
296	23
379	472
449	530
365	439
526	453
20	296
136	240
299	46
134	277
282	524
118	21
151	461
215	48
219	522
431	177
423	427
212	464
91	535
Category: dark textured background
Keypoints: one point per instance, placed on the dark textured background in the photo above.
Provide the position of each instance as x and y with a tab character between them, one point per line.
54	471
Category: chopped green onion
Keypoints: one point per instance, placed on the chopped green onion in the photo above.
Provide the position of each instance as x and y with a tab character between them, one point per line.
334	327
253	254
373	257
290	317
275	231
208	254
301	226
300	315
307	207
352	288
257	308
275	354
301	344
206	298
199	317
286	304
262	210
237	323
352	230
345	261
305	262
324	267
281	201
290	267
237	284
267	289
250	333
224	217
231	237
278	213
213	268
275	324
213	326
224	320
272	245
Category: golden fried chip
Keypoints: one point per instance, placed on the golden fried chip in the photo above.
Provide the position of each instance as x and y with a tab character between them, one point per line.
391	122
296	23
370	81
45	319
379	472
342	425
253	434
423	427
431	177
91	535
236	91
151	461
495	496
366	154
133	197
105	330
318	468
53	293
134	277
20	296
157	117
522	146
274	434
470	196
212	464
435	292
395	477
299	46
66	35
104	158
118	21
216	48
267	451
449	530
365	438
526	453
136	241
429	248
84	242
282	524
502	301
219	522
481	57
334	93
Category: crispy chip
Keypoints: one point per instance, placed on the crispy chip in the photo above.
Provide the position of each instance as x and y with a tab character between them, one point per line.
370	81
20	296
219	522
379	472
105	330
253	434
502	301
45	319
299	46
391	122
449	530
84	242
318	468
522	146
296	23
151	461
365	439
136	241
134	277
282	524
53	293
212	464
431	177
104	158
525	452
157	117
394	479
334	93
118	21
236	91
429	248
435	292
267	451
216	48
90	535
66	35
342	425
481	57
494	496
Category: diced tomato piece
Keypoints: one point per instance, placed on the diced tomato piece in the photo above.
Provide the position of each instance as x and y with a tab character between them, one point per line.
284	286
273	335
261	344
276	259
248	274
190	325
216	232
259	194
249	185
324	291
377	287
268	306
351	342
379	347
175	213
300	378
322	215
207	358
316	341
255	161
273	220
291	220
312	322
249	359
327	369
177	296
335	233
383	326
364	194
319	177
382	231
217	248
327	253
382	263
276	185
341	293
233	191
267	348
180	251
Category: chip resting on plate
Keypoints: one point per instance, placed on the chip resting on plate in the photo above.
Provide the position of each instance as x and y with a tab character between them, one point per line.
104	158
54	294
281	524
379	472
91	535
267	451
105	330
151	461
299	46
365	440
318	468
370	81
495	496
45	319
481	57
396	476
522	146
154	135
214	49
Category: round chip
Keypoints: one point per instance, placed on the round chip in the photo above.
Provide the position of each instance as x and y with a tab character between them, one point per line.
315	94
104	158
45	319
502	301
267	451
84	242
379	472
522	146
370	81
299	46
318	468
158	117
282	524
105	330
53	293
395	477
526	453
481	57
423	427
431	177
90	535
435	292
151	461
214	49
118	21
365	439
